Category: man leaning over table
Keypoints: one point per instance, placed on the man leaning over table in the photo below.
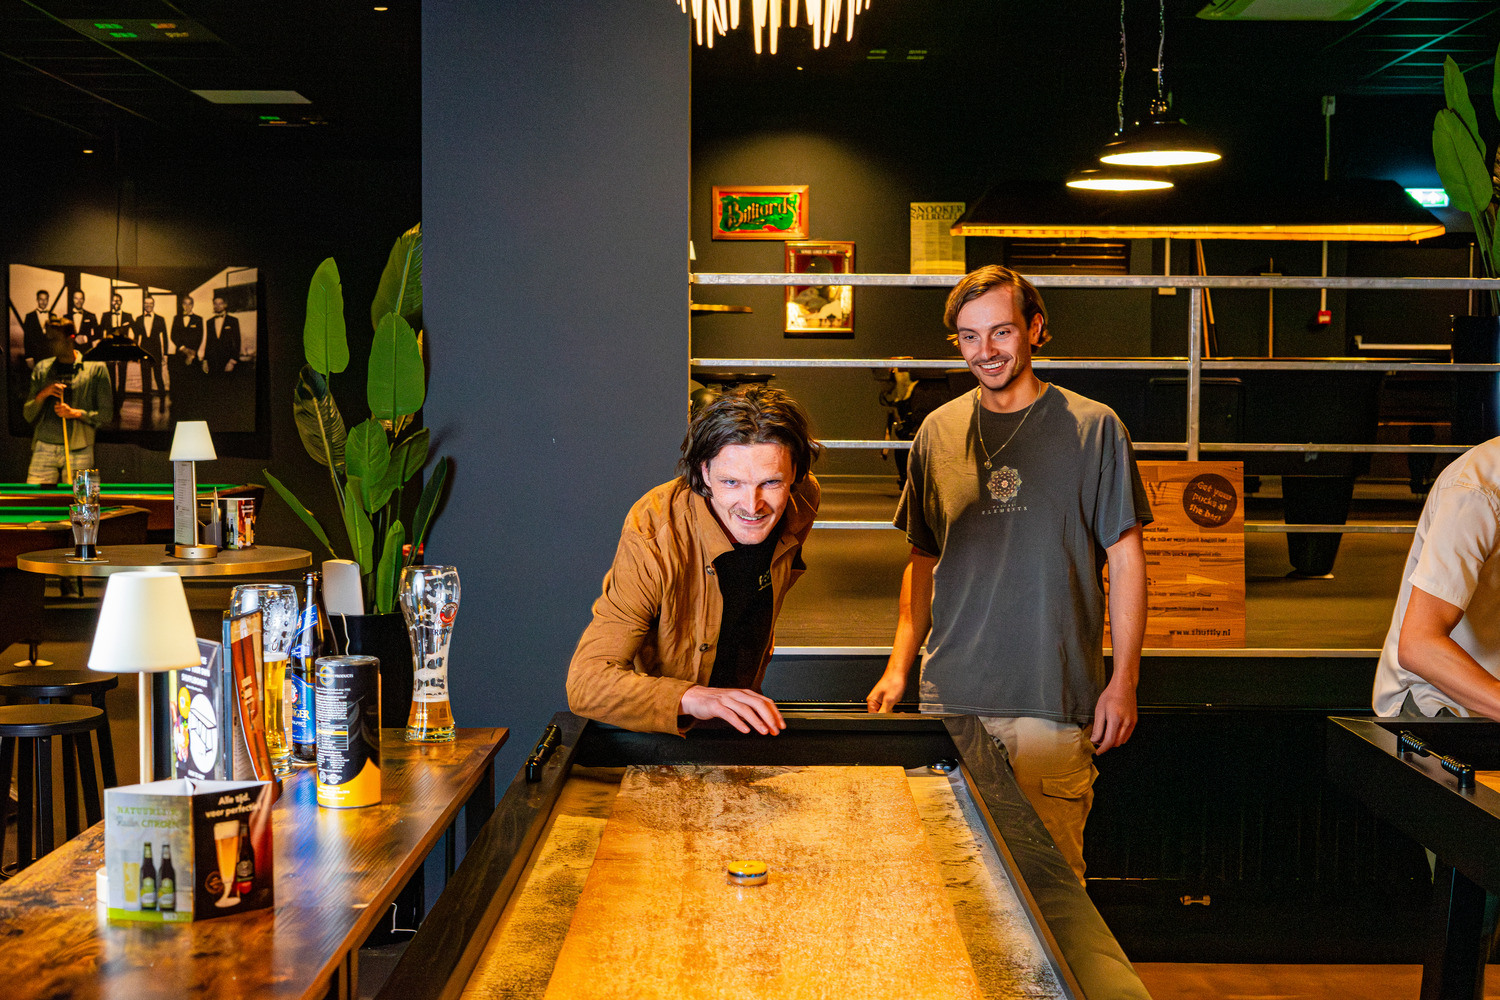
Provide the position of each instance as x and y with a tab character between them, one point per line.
1015	493
1442	651
684	628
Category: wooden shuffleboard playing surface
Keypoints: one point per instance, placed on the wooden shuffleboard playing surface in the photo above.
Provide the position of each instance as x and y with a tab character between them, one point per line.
853	882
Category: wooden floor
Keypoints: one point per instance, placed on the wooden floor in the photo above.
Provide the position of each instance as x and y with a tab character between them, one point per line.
1183	981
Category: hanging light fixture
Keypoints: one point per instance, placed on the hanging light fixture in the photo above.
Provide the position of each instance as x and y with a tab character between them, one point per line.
1116	179
1160	140
717	17
1111	177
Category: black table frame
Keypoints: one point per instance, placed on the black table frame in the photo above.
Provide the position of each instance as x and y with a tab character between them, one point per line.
1459	825
1083	953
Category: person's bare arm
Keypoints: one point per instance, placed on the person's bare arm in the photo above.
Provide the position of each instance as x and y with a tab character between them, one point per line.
1427	649
913	623
1115	712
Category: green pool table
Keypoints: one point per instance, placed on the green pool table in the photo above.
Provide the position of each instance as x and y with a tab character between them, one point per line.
154	498
28	528
38	526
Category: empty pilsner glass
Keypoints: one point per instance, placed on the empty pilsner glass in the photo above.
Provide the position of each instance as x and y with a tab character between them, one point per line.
277	604
429	601
86	484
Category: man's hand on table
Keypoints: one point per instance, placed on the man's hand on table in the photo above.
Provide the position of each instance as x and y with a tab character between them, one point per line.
740	707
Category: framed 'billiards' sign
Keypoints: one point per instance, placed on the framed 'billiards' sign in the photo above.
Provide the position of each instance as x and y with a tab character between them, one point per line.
760	212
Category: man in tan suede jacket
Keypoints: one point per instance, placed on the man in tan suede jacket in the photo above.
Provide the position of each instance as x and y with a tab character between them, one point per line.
685	625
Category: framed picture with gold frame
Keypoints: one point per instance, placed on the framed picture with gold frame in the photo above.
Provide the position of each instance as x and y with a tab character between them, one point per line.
760	212
819	310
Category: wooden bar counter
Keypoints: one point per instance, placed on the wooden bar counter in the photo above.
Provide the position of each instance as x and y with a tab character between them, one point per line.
337	871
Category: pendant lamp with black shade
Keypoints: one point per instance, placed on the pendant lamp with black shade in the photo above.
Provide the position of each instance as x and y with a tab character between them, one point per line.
1160	140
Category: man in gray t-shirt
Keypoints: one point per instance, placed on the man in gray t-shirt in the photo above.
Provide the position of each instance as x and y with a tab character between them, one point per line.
1016	495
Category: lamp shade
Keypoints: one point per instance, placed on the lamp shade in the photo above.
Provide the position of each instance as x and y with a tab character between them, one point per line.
144	625
1117	179
1159	141
191	442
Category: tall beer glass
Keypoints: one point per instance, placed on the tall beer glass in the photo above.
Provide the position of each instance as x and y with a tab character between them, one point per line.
277	604
227	848
429	601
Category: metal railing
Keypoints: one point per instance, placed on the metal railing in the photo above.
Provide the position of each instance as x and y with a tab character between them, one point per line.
1194	364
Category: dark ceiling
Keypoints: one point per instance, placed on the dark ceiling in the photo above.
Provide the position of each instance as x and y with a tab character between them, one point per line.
64	91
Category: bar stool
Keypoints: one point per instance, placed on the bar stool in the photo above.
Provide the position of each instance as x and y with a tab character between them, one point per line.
26	733
51	686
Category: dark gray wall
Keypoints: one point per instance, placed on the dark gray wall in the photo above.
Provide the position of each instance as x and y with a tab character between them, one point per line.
283	216
555	172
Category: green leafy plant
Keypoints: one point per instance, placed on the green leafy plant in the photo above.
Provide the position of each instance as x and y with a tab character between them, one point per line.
370	464
1470	177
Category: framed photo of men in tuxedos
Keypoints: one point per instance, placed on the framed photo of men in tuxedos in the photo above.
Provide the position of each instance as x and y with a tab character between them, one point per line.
178	344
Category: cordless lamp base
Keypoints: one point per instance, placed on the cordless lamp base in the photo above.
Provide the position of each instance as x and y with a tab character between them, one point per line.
195	551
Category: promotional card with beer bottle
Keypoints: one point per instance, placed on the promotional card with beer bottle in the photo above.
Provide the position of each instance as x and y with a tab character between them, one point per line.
183	850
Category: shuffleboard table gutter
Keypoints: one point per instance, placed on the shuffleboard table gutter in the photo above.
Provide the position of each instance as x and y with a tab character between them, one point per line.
1080	946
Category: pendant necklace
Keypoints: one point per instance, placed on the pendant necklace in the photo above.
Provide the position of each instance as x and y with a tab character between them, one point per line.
979	427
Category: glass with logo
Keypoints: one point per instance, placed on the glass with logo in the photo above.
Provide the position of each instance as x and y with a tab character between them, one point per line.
277	604
429	602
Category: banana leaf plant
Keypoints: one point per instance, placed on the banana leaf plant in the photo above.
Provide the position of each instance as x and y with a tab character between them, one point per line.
1471	178
369	465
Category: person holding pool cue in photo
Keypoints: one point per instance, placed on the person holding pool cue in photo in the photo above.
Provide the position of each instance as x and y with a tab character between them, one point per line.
68	400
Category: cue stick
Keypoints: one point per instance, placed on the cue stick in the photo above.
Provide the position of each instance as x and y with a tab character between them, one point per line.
67	452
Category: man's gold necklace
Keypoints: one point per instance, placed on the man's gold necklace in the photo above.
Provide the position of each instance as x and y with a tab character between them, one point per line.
979	427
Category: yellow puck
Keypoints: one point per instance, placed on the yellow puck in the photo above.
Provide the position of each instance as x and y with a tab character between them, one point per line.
748	872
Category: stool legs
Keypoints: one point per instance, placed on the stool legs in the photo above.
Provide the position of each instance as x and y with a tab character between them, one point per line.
70	782
89	781
45	826
106	744
26	819
7	761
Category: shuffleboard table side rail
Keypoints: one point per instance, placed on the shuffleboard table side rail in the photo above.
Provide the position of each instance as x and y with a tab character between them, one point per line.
442	955
1080	946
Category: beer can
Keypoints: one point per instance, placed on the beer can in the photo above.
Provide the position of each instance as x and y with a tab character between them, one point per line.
346	697
237	516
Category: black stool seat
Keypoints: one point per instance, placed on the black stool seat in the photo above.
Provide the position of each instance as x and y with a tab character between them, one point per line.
32	721
48	686
56	684
26	733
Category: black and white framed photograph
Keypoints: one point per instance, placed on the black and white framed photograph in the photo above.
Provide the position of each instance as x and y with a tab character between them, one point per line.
178	343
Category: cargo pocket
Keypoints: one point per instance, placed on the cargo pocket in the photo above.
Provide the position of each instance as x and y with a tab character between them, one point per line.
1072	785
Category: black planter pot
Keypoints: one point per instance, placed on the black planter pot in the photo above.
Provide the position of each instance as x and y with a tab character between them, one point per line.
383	637
1476	396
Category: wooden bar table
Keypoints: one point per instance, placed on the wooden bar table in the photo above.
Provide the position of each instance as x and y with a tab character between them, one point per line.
337	871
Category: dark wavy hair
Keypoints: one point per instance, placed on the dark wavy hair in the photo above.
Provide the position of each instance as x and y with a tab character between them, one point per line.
986	279
754	414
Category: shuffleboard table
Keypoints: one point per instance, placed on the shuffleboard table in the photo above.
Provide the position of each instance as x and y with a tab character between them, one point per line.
1441	787
903	862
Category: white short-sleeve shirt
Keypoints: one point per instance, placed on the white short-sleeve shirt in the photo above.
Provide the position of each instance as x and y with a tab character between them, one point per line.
1455	556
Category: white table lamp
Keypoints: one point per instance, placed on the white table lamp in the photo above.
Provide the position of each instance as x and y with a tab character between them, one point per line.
191	443
144	628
